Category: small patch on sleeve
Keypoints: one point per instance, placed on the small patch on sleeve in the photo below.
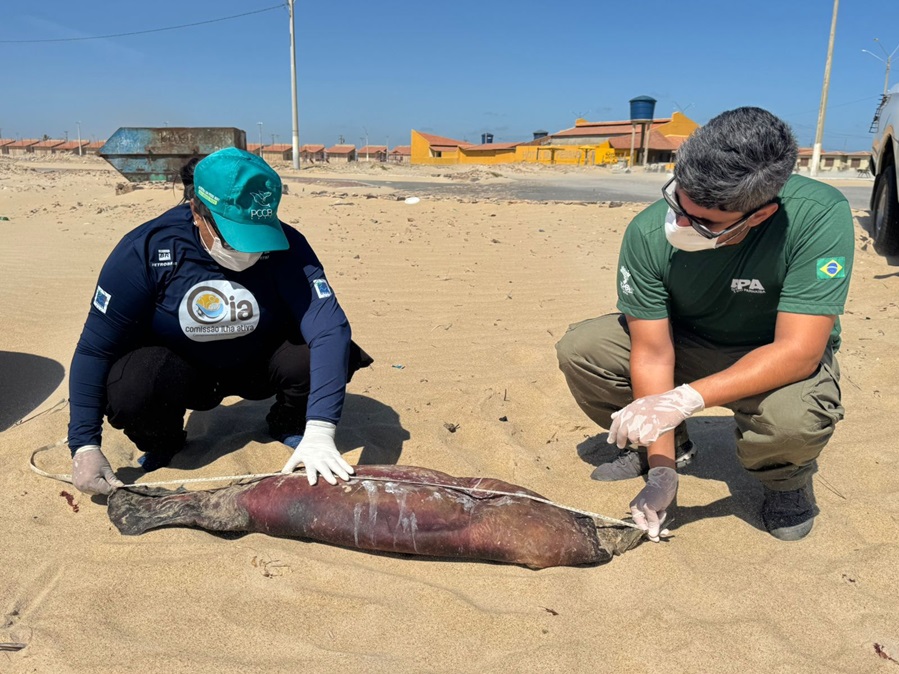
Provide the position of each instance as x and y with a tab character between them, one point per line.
322	289
101	299
831	267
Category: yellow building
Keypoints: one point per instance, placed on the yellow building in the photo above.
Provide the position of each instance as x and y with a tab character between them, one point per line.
584	144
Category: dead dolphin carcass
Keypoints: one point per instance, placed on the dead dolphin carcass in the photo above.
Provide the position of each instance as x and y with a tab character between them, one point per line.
398	509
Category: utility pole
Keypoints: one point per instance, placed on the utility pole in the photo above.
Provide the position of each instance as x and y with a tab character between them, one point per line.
366	142
80	150
889	60
260	138
819	132
293	88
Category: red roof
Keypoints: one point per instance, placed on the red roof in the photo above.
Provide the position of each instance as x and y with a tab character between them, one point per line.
28	142
372	149
441	142
656	141
807	152
605	128
626	122
341	149
72	145
6	141
277	147
96	144
312	148
254	147
404	150
47	144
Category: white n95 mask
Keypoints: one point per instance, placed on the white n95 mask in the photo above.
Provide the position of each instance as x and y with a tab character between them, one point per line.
228	258
686	238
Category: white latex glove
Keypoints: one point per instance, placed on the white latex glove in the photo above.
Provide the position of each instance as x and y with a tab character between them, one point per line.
650	508
645	419
91	472
319	454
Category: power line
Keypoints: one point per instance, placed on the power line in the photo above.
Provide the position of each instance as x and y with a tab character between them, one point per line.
142	32
836	105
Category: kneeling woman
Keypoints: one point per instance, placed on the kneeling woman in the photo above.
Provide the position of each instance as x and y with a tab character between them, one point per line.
215	297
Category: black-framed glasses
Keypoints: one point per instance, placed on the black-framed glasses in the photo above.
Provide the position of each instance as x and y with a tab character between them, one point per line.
671	198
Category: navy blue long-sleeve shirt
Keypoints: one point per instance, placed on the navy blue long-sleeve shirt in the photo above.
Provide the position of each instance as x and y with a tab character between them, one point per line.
159	287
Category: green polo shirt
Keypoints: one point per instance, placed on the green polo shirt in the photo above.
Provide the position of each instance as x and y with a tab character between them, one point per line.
798	261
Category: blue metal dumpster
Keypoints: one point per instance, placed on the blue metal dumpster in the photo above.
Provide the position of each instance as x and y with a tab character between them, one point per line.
157	154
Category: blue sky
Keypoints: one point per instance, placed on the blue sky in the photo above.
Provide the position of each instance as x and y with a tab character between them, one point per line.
458	69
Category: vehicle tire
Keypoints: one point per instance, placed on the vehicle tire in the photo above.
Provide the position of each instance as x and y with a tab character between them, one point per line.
885	213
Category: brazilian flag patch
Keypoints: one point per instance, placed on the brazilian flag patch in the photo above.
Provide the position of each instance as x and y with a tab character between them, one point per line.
831	267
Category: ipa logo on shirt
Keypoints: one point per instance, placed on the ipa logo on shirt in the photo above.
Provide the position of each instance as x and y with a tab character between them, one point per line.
218	309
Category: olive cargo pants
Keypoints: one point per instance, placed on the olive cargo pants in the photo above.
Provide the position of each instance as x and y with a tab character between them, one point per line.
779	433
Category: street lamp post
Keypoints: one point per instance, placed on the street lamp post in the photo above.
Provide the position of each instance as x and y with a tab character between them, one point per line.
819	132
260	138
80	151
887	62
293	89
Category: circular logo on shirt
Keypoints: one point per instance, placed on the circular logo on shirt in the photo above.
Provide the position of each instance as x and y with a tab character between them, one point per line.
218	309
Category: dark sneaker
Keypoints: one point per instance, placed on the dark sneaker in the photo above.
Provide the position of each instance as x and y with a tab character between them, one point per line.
154	461
158	449
631	463
789	515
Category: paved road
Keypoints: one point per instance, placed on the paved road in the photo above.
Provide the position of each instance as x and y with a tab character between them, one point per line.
614	187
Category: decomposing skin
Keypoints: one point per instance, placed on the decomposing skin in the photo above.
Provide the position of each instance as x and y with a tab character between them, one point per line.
397	509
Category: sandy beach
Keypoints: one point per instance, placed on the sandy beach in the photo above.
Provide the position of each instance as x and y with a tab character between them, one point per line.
460	302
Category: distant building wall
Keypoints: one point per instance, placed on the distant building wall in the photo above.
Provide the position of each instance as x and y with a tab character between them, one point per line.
421	153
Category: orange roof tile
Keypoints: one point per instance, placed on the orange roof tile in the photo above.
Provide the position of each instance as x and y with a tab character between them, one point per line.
442	141
6	141
50	143
372	149
277	147
341	149
625	122
605	128
25	142
656	141
72	145
312	148
404	150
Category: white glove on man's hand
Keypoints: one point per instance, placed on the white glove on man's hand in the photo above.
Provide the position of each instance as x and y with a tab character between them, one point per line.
319	454
645	419
91	472
650	508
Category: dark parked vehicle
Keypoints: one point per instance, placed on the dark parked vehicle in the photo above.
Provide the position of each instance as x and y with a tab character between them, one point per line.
885	196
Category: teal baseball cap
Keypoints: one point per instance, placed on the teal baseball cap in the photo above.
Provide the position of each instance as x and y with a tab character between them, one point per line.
243	193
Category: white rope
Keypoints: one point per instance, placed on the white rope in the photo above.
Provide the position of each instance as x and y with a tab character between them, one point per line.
258	476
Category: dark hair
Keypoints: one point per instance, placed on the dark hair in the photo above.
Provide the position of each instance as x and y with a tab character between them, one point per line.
739	161
187	179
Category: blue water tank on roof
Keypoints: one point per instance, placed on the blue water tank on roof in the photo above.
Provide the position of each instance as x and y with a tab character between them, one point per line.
642	108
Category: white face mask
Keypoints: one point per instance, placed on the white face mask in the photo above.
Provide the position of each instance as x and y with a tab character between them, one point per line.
230	259
686	238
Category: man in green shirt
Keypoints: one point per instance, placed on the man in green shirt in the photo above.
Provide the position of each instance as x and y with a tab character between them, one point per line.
730	289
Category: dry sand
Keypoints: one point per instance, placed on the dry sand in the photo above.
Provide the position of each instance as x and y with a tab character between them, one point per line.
460	304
